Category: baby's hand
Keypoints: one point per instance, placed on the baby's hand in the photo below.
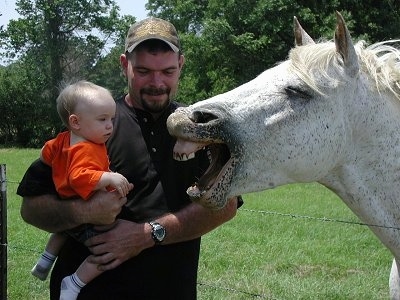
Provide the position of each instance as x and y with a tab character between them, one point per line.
120	183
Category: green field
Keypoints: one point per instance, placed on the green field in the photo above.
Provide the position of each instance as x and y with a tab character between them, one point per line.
277	247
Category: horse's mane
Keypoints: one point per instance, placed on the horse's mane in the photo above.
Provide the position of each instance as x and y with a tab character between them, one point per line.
380	62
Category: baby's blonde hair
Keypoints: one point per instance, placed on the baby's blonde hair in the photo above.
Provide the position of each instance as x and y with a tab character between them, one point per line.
73	93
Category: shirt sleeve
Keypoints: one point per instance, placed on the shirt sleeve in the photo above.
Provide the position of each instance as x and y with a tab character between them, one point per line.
47	152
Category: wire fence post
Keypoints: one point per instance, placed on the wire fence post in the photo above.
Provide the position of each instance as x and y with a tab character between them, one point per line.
3	233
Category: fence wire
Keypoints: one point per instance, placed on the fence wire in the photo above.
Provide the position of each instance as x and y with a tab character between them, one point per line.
323	219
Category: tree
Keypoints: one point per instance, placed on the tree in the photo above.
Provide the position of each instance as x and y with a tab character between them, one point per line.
107	71
229	42
61	40
66	37
226	42
24	122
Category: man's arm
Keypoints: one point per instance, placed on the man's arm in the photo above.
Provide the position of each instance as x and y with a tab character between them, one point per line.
194	221
51	214
127	239
42	208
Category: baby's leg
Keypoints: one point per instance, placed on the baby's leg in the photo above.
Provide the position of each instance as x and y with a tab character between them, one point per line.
72	285
46	260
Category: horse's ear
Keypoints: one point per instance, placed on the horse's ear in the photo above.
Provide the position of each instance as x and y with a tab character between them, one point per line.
301	37
345	47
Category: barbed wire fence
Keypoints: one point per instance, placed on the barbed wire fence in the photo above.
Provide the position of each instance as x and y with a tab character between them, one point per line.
4	245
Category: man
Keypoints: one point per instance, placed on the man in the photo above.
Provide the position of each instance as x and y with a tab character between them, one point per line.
153	251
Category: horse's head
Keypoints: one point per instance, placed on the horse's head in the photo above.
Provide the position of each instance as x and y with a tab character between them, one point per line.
287	125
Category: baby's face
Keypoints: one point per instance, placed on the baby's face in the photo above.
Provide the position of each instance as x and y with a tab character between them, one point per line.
96	117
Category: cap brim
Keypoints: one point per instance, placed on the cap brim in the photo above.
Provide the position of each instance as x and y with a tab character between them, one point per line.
133	46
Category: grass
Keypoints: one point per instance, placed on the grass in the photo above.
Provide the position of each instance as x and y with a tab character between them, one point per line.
25	242
268	251
276	256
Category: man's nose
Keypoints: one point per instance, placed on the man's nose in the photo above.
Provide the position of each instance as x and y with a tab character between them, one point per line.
156	79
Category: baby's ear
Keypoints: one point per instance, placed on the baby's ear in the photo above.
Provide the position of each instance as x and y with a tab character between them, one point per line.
73	121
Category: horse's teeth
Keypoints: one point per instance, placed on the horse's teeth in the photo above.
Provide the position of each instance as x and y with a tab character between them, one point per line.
183	156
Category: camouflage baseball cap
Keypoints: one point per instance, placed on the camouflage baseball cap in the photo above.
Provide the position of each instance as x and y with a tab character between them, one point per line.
152	28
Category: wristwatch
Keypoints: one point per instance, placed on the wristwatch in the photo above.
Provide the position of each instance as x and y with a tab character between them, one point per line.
158	232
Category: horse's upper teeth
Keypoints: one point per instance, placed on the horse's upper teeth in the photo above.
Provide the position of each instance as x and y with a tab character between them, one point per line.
183	156
185	150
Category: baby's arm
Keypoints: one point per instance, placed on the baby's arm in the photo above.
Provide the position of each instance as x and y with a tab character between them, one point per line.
115	180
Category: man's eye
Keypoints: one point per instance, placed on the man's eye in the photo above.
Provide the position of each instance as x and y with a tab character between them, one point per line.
142	71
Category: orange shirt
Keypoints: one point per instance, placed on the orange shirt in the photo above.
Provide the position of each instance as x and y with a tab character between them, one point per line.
76	169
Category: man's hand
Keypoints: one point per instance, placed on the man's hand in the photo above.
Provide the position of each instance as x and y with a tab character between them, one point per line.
102	208
124	241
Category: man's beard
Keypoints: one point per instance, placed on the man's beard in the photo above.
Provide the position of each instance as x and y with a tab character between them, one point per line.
155	106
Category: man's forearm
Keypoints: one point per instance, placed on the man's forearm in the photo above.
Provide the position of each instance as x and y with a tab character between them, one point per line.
49	213
194	221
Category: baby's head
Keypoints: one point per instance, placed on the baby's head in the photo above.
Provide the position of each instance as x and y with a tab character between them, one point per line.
87	110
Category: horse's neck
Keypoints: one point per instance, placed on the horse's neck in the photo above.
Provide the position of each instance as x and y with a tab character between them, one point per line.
369	176
372	155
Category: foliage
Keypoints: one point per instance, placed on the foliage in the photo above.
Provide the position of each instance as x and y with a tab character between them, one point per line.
24	122
107	72
61	40
229	42
225	42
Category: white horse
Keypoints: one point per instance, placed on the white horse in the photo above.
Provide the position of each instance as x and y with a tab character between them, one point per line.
330	114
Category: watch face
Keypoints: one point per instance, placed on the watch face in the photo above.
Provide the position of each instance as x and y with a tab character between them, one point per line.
158	232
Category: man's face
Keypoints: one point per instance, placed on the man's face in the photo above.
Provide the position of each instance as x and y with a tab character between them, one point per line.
152	78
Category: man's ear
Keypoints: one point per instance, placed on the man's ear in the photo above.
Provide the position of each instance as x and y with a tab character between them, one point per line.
73	121
124	63
181	61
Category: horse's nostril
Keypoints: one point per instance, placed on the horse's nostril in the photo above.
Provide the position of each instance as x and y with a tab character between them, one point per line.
202	117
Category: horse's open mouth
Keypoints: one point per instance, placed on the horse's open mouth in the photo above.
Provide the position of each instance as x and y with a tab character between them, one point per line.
220	160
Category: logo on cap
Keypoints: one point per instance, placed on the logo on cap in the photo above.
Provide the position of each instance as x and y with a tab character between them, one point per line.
152	28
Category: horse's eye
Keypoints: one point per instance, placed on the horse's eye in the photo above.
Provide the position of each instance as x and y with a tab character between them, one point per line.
293	91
